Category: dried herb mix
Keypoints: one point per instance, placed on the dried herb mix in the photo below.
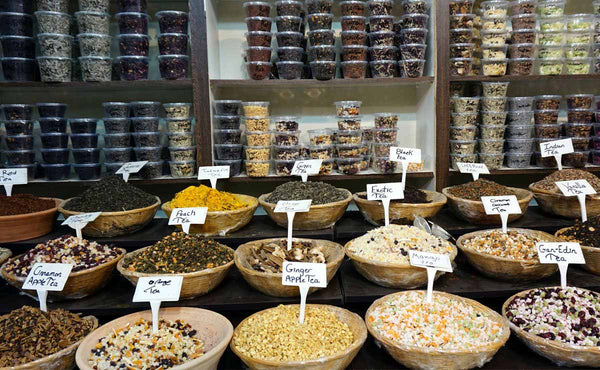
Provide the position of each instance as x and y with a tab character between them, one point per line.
179	253
481	188
549	182
412	195
319	192
585	233
111	194
269	257
28	334
20	204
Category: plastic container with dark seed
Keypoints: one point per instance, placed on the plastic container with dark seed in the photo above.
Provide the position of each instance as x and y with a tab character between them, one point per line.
290	39
319	6
235	166
290	54
19	127
354	69
51	110
145	108
323	70
16	24
183	153
133	23
83	125
259	38
19	157
80	141
117	140
290	70
353	7
228	151
173	44
116	125
136	44
172	21
152	170
111	155
18	46
226	122
116	109
418	36
53	140
228	107
352	38
19	69
17	111
381	23
53	124
19	142
88	171
258	54
173	67
150	153
133	68
55	172
259	70
145	139
145	124
55	156
88	155
259	24
321	53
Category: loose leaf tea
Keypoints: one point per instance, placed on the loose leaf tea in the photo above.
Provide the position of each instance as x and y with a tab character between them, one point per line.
269	257
179	253
111	194
20	204
474	190
585	233
319	192
549	182
28	334
411	195
203	196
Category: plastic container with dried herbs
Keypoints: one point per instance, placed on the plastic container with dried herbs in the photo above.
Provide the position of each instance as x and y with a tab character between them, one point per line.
91	44
173	67
548	131
96	69
466	104
493	118
578	129
464	50
461	66
493	37
520	145
520	66
492	132
53	22
519	132
550	66
520	118
463	132
580	115
491	146
464	119
183	153
148	153
462	146
462	158
180	139
55	45
323	70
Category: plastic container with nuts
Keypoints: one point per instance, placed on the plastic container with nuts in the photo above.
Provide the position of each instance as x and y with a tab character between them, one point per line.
321	137
385	135
463	146
349	122
286	152
286	123
287	138
492	132
259	123
258	168
578	159
256	109
257	153
348	136
321	151
347	108
578	129
495	67
258	138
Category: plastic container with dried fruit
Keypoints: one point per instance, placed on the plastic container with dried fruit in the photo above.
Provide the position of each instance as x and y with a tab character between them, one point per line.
494	67
326	37
417	36
461	66
462	21
321	136
138	45
461	35
413	68
548	131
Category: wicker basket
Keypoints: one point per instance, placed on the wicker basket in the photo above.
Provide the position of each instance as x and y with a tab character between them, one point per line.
424	358
338	361
194	283
270	283
5	254
400	213
29	225
561	354
507	268
591	254
560	205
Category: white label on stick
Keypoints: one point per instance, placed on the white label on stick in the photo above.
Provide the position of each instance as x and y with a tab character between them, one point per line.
556	149
475	169
304	275
188	216
411	155
157	289
12	176
45	277
307	168
129	168
291	207
578	188
563	254
78	222
213	173
503	206
432	262
385	193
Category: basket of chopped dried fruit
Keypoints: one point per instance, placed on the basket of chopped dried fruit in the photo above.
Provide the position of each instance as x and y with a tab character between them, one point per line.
587	234
465	201
508	256
261	262
533	314
422	203
449	333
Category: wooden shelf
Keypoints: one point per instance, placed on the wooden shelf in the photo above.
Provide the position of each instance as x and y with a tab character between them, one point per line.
527	171
160	180
533	78
94	87
303	84
378	176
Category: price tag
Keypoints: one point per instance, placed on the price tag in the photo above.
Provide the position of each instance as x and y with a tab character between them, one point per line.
432	262
405	156
503	206
307	168
291	207
188	216
385	193
213	173
78	222
45	277
129	168
562	254
157	289
304	275
12	176
556	149
474	169
578	188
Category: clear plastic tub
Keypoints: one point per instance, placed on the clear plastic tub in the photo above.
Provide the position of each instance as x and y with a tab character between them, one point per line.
17	24
149	139
117	155
494	67
55	45
84	141
54	172
93	22
290	54
22	6
384	69
19	157
89	155
552	38
53	140
183	153
385	135
321	136
227	136
132	23
578	159
349	166
112	167
258	54
289	39
262	24
579	101
548	131
88	171
145	124
462	146
179	139
413	68
148	153
235	166
550	66
290	70
182	168
492	132
18	46
228	107
152	170
415	36
520	118
117	125
259	38
54	69
46	110
116	109
289	23
172	21
521	66
578	66
489	118
464	119
461	66
551	8
19	127
258	168
524	145
173	67
462	158
382	38
134	44
286	123
228	151
179	124
578	129
518	160
83	125
348	38
380	7
55	156
384	165
117	140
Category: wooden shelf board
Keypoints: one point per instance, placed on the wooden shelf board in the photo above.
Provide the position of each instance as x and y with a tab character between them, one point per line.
98	86
527	171
336	83
424	175
160	180
534	78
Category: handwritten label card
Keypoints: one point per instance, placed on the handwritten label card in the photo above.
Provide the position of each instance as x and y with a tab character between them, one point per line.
188	216
405	156
291	207
578	188
78	222
385	193
213	173
563	254
304	275
129	168
432	262
45	277
503	206
157	289
307	168
556	149
12	176
474	169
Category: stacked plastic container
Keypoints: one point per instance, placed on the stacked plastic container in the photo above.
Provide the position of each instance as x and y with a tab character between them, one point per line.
145	120
523	47
19	140
519	132
258	138
381	35
596	37
354	36
84	141
258	37
93	21
493	124
287	148
133	40
322	52
173	61
547	127
117	137
55	140
227	135
578	54
16	36
179	125
290	18
494	20
384	136
463	130
413	39
350	155
579	127
596	138
462	48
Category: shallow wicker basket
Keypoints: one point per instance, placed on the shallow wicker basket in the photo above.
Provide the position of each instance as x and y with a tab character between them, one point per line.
194	283
400	213
340	360
318	217
29	225
392	275
560	205
474	212
507	268
110	224
561	354
80	283
62	360
415	357
222	222
270	283
591	254
212	328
